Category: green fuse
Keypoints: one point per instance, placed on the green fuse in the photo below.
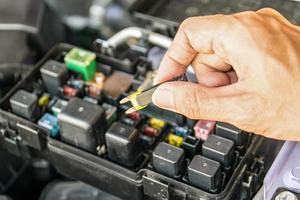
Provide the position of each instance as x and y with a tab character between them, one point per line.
81	61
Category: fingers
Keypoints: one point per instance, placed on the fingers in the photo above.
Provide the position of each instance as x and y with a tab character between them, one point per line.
198	102
177	58
213	71
169	68
209	77
220	41
194	35
212	60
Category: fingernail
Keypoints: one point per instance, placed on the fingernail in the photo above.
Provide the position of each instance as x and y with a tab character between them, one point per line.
163	97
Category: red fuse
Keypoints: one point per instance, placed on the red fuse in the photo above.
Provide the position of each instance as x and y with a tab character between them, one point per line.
151	132
134	116
70	92
204	128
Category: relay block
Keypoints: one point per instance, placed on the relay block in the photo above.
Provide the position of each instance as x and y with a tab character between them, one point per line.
68	108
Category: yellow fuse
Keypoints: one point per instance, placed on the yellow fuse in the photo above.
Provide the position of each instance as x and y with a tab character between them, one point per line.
44	100
157	123
174	140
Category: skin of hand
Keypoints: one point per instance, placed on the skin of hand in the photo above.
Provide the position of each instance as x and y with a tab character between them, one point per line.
248	70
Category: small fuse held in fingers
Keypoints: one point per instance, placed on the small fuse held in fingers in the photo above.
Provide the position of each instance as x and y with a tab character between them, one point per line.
141	98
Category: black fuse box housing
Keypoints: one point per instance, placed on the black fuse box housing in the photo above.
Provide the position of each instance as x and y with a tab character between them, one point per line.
124	181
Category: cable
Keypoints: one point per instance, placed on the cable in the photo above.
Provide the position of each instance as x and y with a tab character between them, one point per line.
18	27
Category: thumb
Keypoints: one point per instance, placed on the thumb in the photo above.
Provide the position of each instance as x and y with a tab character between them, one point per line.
196	101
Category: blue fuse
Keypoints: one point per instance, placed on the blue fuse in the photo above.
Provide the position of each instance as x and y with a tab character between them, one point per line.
50	122
181	131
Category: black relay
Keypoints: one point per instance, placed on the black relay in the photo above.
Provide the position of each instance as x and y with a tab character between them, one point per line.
204	173
25	104
231	132
122	143
54	75
82	124
168	159
219	149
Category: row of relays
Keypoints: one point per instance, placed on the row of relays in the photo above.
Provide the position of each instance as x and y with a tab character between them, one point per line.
72	103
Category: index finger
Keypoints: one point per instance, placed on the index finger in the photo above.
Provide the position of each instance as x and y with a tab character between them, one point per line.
195	35
179	55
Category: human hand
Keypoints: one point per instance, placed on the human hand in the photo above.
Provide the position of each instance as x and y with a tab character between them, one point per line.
248	70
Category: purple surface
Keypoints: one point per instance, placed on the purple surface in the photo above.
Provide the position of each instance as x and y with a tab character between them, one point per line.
285	170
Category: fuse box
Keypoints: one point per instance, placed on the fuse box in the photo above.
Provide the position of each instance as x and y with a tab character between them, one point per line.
88	137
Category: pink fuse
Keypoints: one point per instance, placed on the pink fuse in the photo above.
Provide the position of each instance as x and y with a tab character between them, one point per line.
203	128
